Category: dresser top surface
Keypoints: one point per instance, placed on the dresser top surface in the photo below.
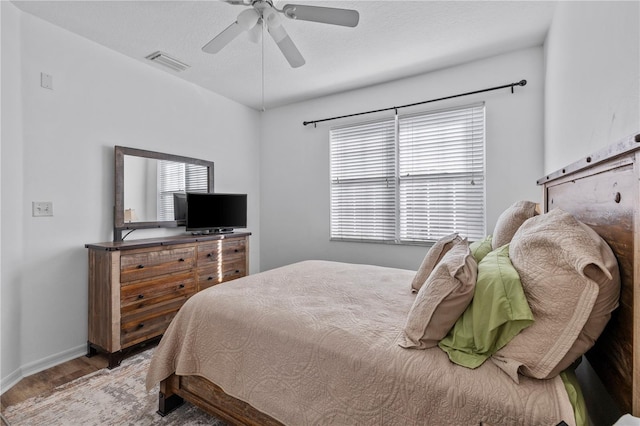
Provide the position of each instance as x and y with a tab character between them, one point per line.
163	241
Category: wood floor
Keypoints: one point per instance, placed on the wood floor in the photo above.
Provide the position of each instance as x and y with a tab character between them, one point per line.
45	381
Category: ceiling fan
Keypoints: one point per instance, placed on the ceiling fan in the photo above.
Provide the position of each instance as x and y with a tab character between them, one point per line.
264	12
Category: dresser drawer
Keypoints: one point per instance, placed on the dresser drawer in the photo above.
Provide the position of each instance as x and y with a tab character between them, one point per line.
229	270
145	323
145	293
210	253
140	265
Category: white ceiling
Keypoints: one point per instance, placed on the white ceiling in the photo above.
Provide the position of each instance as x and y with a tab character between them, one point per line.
394	39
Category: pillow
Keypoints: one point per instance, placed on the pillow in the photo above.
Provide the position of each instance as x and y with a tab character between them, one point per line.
441	300
434	255
498	311
552	253
605	304
481	248
510	220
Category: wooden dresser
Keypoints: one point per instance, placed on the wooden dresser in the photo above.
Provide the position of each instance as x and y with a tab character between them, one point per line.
136	287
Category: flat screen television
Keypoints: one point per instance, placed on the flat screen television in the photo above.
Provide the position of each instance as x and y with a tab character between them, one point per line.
215	212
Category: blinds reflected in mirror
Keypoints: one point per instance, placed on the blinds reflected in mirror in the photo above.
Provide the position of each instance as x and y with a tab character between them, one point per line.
178	177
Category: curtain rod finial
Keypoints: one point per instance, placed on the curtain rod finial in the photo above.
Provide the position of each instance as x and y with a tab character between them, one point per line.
523	82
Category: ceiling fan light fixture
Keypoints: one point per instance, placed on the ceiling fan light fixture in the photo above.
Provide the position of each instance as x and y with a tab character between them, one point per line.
255	33
247	19
167	61
272	19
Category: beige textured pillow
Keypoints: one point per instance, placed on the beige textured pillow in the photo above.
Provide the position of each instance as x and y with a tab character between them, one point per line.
434	255
510	220
606	302
442	299
552	254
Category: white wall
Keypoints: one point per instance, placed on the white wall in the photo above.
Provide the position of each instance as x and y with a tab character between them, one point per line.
295	159
63	152
592	96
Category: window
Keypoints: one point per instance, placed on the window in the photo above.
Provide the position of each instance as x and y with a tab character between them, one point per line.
178	177
409	179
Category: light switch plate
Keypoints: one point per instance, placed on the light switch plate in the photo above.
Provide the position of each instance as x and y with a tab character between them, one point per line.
46	81
42	208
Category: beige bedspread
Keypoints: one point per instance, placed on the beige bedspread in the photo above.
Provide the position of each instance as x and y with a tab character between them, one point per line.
314	343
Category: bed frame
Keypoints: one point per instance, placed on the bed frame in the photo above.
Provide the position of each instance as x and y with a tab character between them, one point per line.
601	190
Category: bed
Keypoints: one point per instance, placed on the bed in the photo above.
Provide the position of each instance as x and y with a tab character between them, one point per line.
296	359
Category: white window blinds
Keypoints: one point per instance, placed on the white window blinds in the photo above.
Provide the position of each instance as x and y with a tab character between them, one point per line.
178	177
363	181
411	179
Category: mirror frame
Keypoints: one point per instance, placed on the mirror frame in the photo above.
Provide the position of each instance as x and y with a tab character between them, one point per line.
119	224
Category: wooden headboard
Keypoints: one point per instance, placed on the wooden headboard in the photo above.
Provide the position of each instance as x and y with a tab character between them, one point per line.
603	191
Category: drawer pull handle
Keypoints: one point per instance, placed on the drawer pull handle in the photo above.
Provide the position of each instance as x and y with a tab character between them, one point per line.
236	250
181	286
209	278
209	254
237	271
140	266
181	260
140	325
141	296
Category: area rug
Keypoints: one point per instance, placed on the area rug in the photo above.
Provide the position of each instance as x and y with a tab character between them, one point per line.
105	397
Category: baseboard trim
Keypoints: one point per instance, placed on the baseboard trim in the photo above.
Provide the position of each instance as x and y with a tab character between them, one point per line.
11	380
34	367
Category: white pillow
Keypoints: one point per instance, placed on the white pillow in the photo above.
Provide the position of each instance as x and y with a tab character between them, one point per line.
555	258
441	300
510	220
434	255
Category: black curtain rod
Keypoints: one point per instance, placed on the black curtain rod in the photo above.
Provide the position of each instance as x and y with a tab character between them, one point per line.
520	83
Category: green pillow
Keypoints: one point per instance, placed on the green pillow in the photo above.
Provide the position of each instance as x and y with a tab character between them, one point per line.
498	312
481	248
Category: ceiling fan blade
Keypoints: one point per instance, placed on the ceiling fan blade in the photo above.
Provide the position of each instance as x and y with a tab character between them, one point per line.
287	47
290	52
284	42
222	39
246	20
239	2
325	15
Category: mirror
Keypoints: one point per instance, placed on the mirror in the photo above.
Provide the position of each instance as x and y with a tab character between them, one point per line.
145	184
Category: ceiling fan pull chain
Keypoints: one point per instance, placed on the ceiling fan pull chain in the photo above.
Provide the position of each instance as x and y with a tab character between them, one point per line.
262	59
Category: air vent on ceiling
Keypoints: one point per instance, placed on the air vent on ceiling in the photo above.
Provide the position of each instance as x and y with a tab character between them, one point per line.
166	60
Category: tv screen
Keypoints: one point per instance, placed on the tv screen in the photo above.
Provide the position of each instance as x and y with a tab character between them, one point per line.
216	212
